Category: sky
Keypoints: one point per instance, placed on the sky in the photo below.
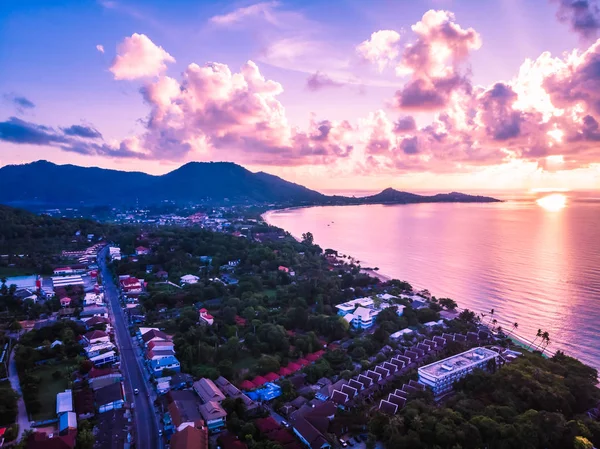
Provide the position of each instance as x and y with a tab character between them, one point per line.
345	94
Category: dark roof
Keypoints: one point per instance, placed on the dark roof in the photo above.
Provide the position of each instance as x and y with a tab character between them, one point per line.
108	394
40	440
231	442
388	407
154	334
299	401
339	397
112	429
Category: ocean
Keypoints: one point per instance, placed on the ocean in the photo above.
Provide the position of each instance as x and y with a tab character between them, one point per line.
534	259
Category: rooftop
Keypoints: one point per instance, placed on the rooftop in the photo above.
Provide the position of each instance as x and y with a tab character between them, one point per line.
459	361
208	391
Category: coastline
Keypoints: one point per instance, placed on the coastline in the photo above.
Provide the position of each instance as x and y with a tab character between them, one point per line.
518	340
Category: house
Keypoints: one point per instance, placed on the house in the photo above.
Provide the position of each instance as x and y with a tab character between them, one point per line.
214	416
42	440
93	299
67	422
112	430
268	392
64	402
361	312
159	360
98	348
190	437
180	381
109	397
95	337
401	333
283	269
162	274
205	317
189	279
103	377
312	424
326	391
65	302
208	391
91	311
131	285
142	251
154	335
104	358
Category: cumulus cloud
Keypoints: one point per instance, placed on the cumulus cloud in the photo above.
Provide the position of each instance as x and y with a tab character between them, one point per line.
318	81
214	112
88	132
381	48
433	61
138	57
582	16
100	48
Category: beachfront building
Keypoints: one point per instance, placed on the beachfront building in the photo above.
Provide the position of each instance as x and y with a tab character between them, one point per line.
441	375
361	312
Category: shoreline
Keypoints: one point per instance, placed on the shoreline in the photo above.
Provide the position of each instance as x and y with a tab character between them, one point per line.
518	340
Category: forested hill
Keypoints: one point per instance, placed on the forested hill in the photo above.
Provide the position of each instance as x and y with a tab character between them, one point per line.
46	184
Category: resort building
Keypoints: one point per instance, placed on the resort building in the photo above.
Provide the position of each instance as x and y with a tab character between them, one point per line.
441	375
361	312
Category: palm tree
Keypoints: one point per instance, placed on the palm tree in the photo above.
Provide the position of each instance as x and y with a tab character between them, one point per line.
494	322
491	315
539	334
515	326
546	339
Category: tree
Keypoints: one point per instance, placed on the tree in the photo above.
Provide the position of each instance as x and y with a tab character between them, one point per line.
448	303
582	443
308	238
538	335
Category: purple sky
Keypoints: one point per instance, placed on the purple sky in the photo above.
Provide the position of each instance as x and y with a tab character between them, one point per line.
434	94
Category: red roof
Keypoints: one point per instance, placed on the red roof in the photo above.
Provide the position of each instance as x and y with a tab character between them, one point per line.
258	381
203	310
267	425
247	385
95	372
293	367
271	377
130	281
284	371
302	362
240	321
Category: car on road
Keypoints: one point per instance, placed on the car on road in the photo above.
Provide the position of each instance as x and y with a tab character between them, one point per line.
160	432
343	443
136	391
285	424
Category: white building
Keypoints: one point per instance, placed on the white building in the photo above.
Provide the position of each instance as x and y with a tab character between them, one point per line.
361	312
441	375
93	299
189	279
401	333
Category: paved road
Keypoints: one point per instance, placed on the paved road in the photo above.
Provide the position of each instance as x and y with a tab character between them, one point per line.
144	414
22	418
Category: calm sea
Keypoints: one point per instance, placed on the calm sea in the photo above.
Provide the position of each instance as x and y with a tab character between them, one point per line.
534	260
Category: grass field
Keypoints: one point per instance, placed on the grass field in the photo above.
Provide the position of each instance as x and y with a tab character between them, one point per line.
49	387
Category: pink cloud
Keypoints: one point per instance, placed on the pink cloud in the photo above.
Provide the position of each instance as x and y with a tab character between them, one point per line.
138	57
433	62
318	81
381	48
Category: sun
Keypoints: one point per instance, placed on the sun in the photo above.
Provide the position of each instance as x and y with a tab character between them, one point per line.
553	203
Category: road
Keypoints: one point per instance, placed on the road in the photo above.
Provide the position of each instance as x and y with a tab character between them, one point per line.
144	414
13	376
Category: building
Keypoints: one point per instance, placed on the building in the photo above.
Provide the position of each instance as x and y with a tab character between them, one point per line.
205	317
159	360
361	312
208	391
190	437
95	337
113	430
401	333
441	375
109	398
214	416
189	279
64	402
65	302
93	299
142	251
65	281
312	424
131	285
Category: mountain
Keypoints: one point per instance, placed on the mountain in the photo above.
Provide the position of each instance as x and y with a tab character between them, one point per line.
46	184
392	196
